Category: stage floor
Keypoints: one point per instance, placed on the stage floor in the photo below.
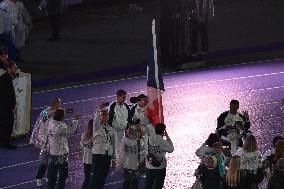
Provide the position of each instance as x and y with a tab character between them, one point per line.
192	102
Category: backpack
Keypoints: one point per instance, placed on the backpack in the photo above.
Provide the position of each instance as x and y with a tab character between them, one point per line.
152	159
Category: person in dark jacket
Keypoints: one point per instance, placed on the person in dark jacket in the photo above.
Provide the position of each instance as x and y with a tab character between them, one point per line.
228	120
54	10
3	59
277	181
7	105
119	115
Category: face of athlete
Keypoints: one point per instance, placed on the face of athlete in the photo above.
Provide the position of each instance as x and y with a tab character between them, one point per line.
12	70
234	108
143	102
104	117
4	58
121	98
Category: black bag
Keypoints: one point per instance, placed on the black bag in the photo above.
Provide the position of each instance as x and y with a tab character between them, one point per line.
152	159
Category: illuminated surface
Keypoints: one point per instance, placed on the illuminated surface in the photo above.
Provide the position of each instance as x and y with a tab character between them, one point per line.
192	102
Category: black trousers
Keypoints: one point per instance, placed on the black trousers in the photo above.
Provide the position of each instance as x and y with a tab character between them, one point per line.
6	126
57	165
212	185
101	165
43	165
41	171
199	29
131	179
155	178
54	20
87	171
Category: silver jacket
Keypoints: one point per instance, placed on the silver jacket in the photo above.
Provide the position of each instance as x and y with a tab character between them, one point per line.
57	136
39	134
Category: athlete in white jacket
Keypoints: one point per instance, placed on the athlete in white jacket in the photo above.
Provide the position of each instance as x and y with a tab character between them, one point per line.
104	144
131	155
157	147
58	149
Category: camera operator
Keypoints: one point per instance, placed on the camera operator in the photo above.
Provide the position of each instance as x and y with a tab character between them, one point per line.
39	137
7	104
58	148
231	124
156	162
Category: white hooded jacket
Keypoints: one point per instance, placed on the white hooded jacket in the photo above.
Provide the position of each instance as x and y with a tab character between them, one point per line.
158	146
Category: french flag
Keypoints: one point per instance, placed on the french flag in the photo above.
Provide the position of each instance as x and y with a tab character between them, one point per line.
155	84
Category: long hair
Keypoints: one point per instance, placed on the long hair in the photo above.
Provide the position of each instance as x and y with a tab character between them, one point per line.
234	172
89	129
250	144
279	150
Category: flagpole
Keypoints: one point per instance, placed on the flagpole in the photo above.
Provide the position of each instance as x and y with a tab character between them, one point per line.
156	66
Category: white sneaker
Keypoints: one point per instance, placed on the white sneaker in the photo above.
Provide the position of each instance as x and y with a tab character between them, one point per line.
39	182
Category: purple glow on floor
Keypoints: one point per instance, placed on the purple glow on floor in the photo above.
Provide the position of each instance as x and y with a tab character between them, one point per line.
192	102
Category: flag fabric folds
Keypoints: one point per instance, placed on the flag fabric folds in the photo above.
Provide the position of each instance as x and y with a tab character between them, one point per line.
155	84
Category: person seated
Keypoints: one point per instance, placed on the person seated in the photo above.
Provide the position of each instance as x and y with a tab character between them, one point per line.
207	147
231	125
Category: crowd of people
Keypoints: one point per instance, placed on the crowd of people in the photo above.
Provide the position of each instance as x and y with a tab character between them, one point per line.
230	158
183	23
121	137
15	26
118	137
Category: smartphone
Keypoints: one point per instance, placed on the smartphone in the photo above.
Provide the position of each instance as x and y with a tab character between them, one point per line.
69	110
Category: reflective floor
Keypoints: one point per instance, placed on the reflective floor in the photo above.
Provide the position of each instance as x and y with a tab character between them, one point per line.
192	102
